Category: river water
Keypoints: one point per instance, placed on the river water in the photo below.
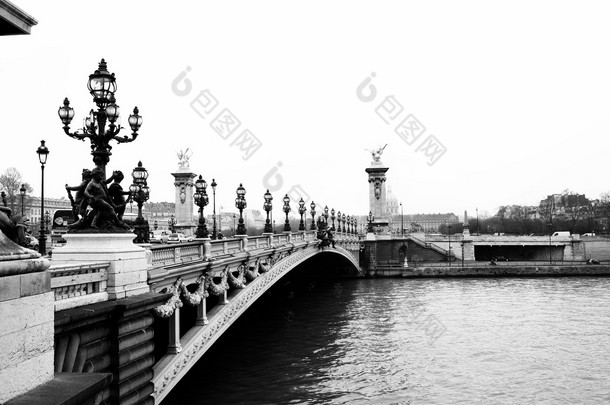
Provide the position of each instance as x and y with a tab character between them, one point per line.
404	341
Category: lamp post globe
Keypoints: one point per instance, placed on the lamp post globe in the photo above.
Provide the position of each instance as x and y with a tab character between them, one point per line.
326	214
313	215
43	153
286	210
268	206
240	204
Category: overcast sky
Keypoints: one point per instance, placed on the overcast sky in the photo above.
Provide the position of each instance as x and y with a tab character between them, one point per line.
514	97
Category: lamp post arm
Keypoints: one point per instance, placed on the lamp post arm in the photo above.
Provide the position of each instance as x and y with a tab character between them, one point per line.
76	135
124	138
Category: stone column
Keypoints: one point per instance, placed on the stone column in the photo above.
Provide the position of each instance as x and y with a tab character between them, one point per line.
27	314
377	194
183	181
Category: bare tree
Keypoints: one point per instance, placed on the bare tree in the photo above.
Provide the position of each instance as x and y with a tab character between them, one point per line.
574	206
521	215
11	182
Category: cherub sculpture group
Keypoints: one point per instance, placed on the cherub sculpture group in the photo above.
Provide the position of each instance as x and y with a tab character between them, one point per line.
97	206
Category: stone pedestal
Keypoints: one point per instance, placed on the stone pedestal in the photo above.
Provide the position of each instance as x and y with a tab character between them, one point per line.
27	313
468	248
128	268
377	194
183	181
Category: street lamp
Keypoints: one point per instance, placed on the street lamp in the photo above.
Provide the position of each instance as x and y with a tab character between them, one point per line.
214	184
343	217
43	152
332	217
102	86
155	225
355	225
268	206
240	204
22	193
286	210
171	222
339	221
313	214
201	200
550	225
302	210
326	214
371	219
402	222
349	223
140	194
449	251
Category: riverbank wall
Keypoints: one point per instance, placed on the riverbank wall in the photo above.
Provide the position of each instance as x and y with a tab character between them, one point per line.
534	270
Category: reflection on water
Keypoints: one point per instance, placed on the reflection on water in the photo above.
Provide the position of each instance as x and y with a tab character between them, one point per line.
395	341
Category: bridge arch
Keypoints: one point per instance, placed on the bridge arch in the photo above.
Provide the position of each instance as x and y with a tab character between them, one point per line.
170	369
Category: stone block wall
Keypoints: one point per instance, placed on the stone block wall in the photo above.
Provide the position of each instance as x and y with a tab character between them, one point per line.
26	335
111	337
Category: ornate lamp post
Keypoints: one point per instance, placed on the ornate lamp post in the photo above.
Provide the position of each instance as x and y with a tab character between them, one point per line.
332	217
343	218
240	204
42	151
140	194
402	222
355	225
371	219
326	214
349	223
102	86
313	215
339	221
268	206
286	210
201	200
302	210
214	233
171	222
22	193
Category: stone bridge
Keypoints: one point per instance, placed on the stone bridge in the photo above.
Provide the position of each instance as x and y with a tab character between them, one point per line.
136	296
238	271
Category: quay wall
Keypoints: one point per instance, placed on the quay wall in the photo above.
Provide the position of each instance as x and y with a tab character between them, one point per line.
507	271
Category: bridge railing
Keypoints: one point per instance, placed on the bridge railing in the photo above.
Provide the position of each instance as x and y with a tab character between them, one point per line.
79	284
168	255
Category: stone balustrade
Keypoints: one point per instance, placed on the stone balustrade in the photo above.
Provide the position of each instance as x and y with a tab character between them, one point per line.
74	285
